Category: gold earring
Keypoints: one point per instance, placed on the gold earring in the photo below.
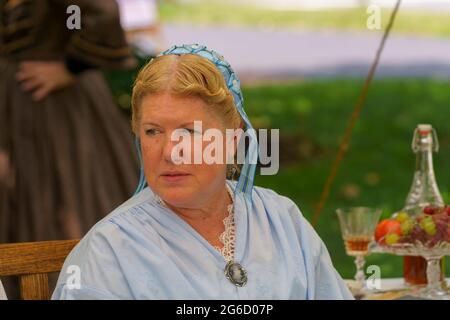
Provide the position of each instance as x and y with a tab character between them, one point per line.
232	172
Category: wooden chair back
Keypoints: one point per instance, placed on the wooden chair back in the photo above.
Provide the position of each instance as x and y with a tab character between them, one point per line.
31	262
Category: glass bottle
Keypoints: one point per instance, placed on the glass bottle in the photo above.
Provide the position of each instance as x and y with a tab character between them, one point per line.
424	192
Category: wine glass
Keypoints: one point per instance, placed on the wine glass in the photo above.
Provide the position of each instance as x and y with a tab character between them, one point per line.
357	229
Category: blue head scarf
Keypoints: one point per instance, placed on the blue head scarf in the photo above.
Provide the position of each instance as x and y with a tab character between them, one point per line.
246	178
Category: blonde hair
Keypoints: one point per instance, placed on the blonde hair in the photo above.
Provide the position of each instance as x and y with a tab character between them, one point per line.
186	75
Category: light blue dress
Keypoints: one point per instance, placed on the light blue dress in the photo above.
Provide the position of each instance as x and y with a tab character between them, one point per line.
142	250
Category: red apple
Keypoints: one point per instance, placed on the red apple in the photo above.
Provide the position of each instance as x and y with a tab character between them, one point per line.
385	227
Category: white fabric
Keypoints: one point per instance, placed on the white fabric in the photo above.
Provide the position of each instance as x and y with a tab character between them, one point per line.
2	292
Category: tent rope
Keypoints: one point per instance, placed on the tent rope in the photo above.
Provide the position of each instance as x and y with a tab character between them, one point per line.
343	147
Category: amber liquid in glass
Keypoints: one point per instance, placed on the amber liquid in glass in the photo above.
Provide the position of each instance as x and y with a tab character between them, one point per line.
357	245
415	270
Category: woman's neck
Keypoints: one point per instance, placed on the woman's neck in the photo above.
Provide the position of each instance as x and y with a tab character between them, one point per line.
208	220
215	209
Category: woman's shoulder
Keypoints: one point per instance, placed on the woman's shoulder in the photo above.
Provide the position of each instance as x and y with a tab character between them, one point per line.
134	202
266	194
123	211
283	209
272	202
106	246
115	225
271	196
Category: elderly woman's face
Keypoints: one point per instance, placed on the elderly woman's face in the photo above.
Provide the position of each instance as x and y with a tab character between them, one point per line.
181	185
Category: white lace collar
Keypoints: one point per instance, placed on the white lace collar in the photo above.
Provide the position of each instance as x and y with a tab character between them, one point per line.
228	236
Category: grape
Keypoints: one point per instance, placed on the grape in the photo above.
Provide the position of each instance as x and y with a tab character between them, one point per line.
447	210
417	234
391	238
428	225
441	227
402	216
430	229
429	210
407	226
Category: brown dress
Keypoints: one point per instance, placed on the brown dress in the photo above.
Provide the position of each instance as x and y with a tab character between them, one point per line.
67	161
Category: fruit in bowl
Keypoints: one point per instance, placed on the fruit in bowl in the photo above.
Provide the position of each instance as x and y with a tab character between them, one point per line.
387	231
430	227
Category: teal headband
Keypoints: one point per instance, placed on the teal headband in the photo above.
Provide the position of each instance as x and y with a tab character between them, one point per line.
246	178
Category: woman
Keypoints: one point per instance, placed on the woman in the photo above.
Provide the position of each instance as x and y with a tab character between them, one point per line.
66	152
193	234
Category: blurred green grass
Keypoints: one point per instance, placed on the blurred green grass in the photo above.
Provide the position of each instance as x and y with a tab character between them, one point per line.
378	168
215	13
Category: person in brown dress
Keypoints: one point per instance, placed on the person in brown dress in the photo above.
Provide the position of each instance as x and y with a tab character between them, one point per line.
66	153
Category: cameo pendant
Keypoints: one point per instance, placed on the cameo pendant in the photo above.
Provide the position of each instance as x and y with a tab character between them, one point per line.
236	274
